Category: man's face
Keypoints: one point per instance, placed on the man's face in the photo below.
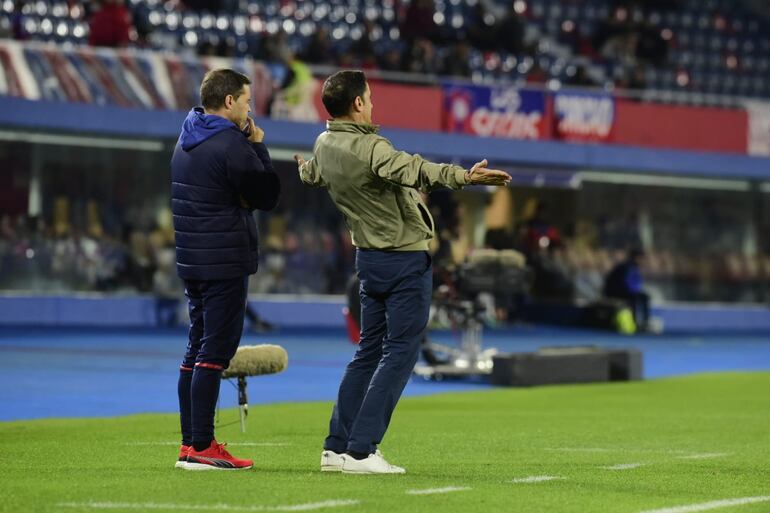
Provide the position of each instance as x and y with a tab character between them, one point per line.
367	108
240	108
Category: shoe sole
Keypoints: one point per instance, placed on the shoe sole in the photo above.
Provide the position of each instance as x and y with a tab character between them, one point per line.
368	472
202	466
331	468
180	464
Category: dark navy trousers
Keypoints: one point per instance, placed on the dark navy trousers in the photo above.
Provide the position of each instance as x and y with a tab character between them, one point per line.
395	291
216	311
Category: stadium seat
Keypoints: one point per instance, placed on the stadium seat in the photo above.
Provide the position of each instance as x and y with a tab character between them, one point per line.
702	30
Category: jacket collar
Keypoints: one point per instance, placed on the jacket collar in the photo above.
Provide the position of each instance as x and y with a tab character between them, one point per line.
334	125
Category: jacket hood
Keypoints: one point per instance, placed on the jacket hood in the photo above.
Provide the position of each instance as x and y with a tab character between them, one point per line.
198	127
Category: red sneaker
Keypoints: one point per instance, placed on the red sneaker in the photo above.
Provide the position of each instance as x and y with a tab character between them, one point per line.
215	457
182	461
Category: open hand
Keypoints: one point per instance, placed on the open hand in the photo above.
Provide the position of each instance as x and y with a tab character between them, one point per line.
479	174
300	160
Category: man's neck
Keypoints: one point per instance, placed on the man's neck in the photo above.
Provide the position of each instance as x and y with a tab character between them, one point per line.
353	118
222	113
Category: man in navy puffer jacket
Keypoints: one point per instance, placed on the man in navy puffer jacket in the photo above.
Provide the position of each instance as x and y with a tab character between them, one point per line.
220	173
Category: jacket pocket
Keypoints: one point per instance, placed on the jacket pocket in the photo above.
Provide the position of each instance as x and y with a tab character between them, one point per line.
426	217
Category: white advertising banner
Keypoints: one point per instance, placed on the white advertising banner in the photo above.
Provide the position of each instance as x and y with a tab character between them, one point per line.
759	127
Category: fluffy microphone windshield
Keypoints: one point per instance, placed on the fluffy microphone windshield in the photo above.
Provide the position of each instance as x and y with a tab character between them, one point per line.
257	360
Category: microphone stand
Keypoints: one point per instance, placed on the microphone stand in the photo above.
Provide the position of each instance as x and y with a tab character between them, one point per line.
243	402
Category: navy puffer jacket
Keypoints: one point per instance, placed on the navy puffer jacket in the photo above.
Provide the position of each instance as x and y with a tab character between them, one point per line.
215	170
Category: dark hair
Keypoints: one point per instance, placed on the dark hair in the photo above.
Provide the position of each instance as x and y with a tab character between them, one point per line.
341	89
219	83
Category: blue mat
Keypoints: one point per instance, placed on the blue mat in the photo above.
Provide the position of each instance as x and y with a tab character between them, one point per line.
55	372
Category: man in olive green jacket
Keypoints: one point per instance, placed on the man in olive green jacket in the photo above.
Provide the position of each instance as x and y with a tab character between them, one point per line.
375	187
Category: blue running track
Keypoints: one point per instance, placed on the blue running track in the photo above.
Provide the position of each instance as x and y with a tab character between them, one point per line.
67	372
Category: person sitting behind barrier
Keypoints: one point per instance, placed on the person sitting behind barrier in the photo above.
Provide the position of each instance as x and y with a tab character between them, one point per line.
624	281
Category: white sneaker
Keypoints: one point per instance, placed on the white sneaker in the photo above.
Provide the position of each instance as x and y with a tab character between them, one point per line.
331	461
374	464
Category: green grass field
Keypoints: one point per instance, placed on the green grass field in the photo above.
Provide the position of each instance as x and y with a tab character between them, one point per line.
695	440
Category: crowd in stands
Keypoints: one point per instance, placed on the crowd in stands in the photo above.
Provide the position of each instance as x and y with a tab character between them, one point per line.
314	255
708	46
36	256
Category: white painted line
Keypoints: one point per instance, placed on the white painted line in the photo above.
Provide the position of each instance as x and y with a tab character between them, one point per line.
705	506
446	489
704	456
229	444
624	466
582	449
617	449
535	479
315	505
259	444
211	507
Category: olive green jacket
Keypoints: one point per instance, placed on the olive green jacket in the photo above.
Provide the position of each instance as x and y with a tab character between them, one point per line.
375	187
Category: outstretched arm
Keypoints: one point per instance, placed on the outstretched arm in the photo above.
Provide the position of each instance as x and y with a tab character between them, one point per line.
309	172
414	171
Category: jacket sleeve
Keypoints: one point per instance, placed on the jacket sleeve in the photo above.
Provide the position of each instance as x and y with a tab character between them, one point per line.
413	171
264	156
250	170
310	174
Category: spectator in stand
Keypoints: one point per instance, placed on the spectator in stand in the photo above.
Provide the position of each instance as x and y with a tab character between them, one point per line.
319	49
364	47
539	232
622	48
418	21
638	79
536	74
391	60
17	19
624	282
422	58
480	31
370	62
275	48
456	63
651	46
509	32
540	240
346	60
110	25
581	78
203	5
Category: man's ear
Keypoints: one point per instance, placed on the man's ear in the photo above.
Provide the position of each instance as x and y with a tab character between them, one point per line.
229	100
359	103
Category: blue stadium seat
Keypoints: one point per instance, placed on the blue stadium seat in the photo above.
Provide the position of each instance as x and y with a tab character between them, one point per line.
706	32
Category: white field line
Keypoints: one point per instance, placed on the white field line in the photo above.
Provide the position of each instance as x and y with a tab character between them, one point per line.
705	506
446	489
316	505
618	449
230	444
624	466
704	456
535	479
582	449
210	507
